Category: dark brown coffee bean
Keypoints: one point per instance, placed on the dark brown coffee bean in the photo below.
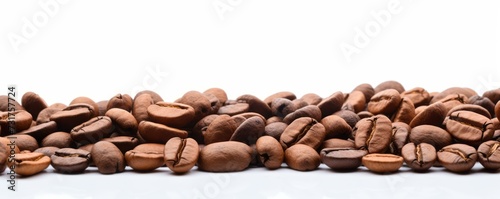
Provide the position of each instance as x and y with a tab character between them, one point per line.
103	107
171	114
123	120
302	158
419	157
391	84
311	99
181	155
400	136
47	150
4	103
159	133
144	158
355	102
331	104
123	101
88	101
233	109
200	127
4	153
140	107
304	130
228	156
283	94
39	132
282	107
384	102
470	107
33	103
221	129
307	111
275	129
469	128
124	143
249	131
26	142
382	163
350	117
107	157
155	96
364	114
69	160
452	90
338	143
92	130
256	105
433	135
489	154
44	115
405	112
20	119
72	116
484	102
336	127
366	89
373	134
270	152
343	159
434	114
298	103
493	95
28	164
458	158
199	102
418	96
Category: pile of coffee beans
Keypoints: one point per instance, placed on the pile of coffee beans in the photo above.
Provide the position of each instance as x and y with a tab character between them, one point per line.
381	128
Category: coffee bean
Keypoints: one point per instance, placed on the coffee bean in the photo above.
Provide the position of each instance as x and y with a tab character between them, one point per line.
364	114
92	130
391	84
171	114
458	158
311	99
47	150
123	101
336	127
302	158
343	159
270	152
419	157
144	159
304	130
215	104
72	116
28	164
123	120
8	142
452	90
69	160
107	157
249	131
199	102
400	136
337	143
200	127
26	142
355	102
307	111
366	89
418	96
44	115
275	129
350	117
283	94
496	125
432	135
124	143
331	104
282	107
219	93
497	110
493	95
39	132
373	134
4	103
382	163
181	155
221	129
469	127
227	156
274	119
434	114
256	105
21	119
155	96
140	107
405	112
33	103
384	102
470	107
4	153
233	109
489	154
453	100
88	101
248	115
483	102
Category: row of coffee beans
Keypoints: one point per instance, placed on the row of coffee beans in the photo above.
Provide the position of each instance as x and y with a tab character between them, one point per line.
381	128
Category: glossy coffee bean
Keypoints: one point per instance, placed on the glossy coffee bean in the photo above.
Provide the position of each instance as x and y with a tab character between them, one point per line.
469	127
343	159
69	160
311	111
489	154
302	157
453	100
92	130
336	127
452	90
90	102
493	95
140	107
384	102
10	142
28	164
107	157
418	96
433	135
39	132
228	156
458	158
181	155
433	114
58	139
123	101
331	104
373	134
171	114
20	119
355	102
270	152
72	116
33	103
123	120
159	133
390	84
419	157
382	163
304	130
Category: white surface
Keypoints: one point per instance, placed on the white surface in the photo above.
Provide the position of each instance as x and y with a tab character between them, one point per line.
101	48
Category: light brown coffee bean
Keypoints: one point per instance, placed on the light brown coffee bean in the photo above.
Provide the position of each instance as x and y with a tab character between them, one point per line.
405	112
489	154
92	130
470	107
124	121
337	143
452	90
458	158
4	153
228	156
221	129
418	96
155	96
304	130
270	152
311	98
73	115
143	159
400	136
20	119
88	101
33	103
331	104
171	114
4	103
497	110
103	107
430	134
311	111
382	163
419	157
434	114
107	157
255	105
343	159
390	84
355	102
10	142
47	150
123	101
366	89
159	133
336	127
124	143
140	107
26	142
181	155
199	102
28	164
219	93
373	134
58	139
469	128
384	102
301	157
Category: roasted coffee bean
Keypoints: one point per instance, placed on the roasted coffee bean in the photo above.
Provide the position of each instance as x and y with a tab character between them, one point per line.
123	101
58	139
107	157
69	160
39	132
283	94
103	107
489	154
282	107
275	129
470	107
496	125
215	104
10	142
44	115
331	104
249	115
124	143
391	84
249	131
400	136
384	102
219	93
72	116
493	95
199	102
497	110
453	100
304	130
92	130
144	158
373	134
171	114
364	114
434	114
298	103
4	103
311	99
233	109
155	96
123	120
47	150
302	158
355	102
4	153
19	119
469	127
382	163
484	102
200	127
338	143
458	158
307	111
255	105
405	112
181	155
90	102
274	119
452	90
228	156
350	117
28	164
418	96
366	89
270	152
343	159
419	157
221	129
26	142
336	127
432	135
140	107
33	103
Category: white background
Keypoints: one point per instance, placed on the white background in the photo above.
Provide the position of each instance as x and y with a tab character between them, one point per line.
100	48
